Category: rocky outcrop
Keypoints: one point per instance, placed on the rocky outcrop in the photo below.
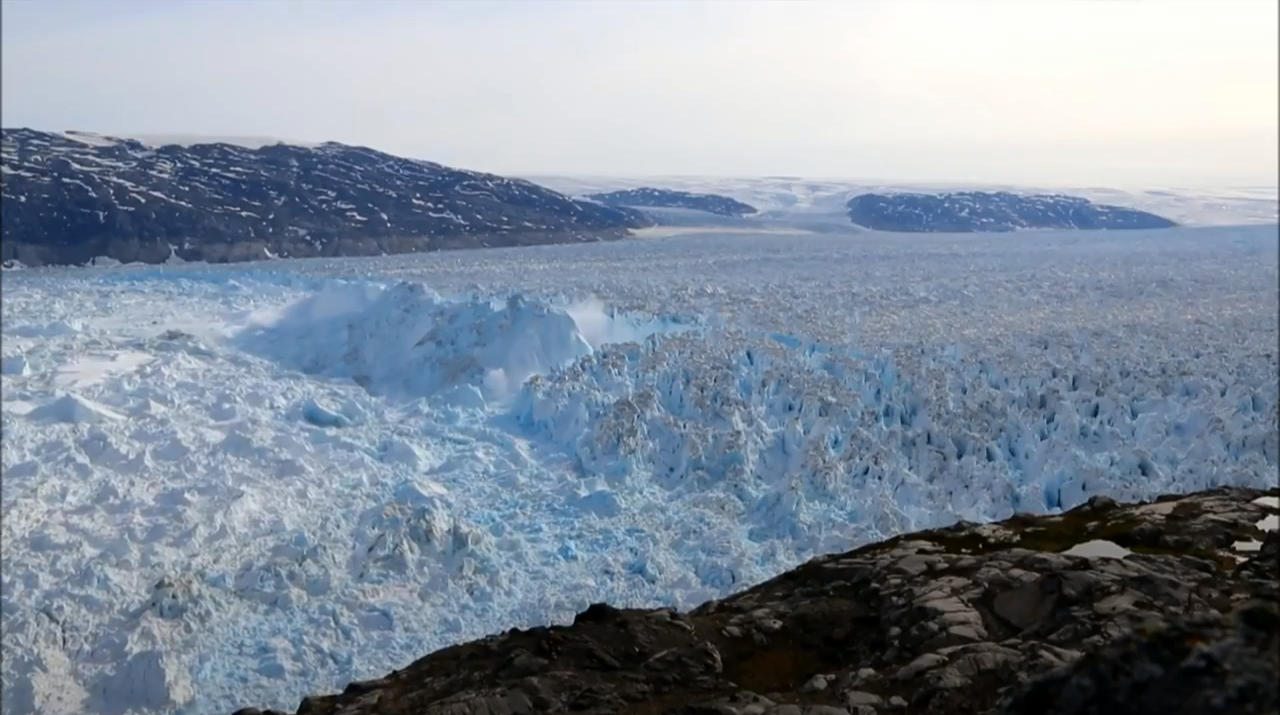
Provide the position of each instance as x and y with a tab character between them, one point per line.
1167	607
671	199
70	197
1000	211
1200	664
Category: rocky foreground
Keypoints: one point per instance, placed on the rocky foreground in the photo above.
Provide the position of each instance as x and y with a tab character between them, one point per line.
1171	607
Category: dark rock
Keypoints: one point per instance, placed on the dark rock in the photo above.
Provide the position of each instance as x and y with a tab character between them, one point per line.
67	200
598	613
1030	604
1099	503
671	199
1197	664
979	211
522	663
365	686
964	621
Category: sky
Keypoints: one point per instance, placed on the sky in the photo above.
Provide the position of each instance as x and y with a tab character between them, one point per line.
1119	93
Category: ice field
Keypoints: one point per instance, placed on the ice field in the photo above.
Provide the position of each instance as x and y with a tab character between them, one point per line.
238	485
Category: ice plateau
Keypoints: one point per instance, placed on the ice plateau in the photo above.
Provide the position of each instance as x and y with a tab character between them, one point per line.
228	485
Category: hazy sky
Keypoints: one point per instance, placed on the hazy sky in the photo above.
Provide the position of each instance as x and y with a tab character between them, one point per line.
1084	92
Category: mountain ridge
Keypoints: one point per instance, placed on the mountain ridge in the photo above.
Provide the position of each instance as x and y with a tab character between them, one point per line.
652	197
992	211
73	196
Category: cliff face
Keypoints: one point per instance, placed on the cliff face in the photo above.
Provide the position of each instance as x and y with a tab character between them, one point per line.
980	211
71	197
1161	608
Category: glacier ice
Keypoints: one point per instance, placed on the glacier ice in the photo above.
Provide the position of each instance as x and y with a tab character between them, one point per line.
404	340
831	447
302	474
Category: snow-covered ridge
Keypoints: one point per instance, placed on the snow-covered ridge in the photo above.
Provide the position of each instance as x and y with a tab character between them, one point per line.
797	196
187	140
649	197
993	211
69	197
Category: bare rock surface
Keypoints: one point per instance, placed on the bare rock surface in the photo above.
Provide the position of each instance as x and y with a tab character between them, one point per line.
968	619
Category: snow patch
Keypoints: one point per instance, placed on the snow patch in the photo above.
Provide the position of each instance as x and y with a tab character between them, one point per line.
1098	549
90	138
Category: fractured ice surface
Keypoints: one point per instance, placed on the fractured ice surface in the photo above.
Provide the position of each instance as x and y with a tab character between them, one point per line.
797	439
311	480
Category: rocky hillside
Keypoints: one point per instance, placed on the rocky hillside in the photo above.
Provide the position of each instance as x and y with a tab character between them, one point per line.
1152	609
647	197
70	197
979	211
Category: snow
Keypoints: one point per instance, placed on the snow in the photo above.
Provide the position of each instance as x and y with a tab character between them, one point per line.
90	138
237	485
819	204
1270	522
73	409
93	367
1098	549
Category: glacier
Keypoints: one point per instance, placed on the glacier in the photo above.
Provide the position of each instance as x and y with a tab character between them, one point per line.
227	485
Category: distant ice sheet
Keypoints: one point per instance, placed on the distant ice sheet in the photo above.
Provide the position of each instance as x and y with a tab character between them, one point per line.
801	197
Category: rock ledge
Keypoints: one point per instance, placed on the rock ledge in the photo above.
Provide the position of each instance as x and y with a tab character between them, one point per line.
969	619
